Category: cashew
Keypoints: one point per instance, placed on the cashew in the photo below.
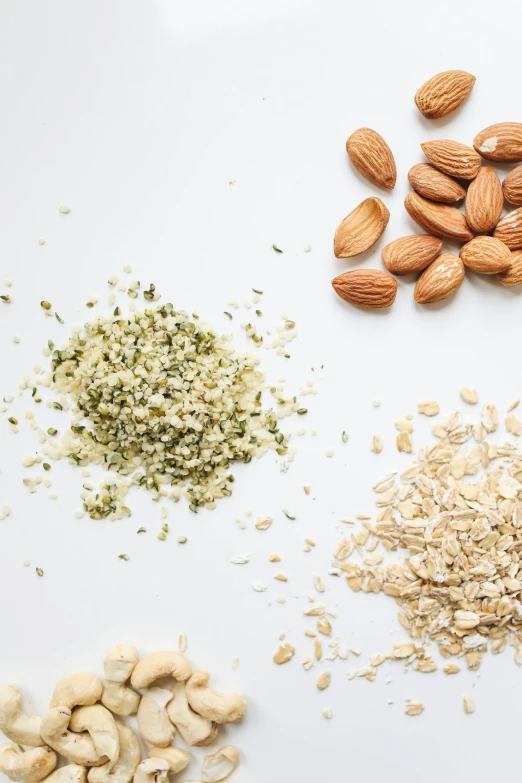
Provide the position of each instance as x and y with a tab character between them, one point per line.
176	758
72	773
26	766
100	724
153	720
220	707
118	666
219	765
128	760
75	689
194	729
152	771
17	726
78	748
160	664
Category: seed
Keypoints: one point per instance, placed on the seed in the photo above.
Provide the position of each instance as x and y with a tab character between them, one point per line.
45	305
277	249
123	557
39	572
64	209
182	539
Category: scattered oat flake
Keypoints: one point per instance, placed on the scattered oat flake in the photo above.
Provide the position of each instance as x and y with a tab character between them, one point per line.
451	668
327	713
404	442
318	583
513	405
469	395
182	642
323	680
263	523
376	444
259	587
241	559
284	653
307	663
468	704
281	577
318	650
414	708
306	489
428	407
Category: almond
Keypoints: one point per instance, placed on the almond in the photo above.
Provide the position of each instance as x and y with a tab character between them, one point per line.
438	219
440	279
361	228
372	157
513	275
433	184
411	254
452	157
484	201
486	255
501	142
512	187
509	229
444	93
366	288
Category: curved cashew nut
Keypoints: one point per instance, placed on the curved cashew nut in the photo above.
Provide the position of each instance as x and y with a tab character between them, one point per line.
194	729
118	667
17	726
128	760
27	766
78	748
219	765
79	688
220	707
160	664
152	771
100	724
72	773
153	720
176	758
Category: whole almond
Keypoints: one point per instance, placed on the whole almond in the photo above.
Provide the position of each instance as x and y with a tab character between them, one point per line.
439	219
411	254
452	157
440	279
512	187
484	201
513	275
509	229
444	93
372	157
433	184
366	288
486	255
361	228
502	142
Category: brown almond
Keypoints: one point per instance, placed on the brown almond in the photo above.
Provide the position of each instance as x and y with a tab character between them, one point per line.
361	228
484	201
439	219
486	255
433	184
440	279
444	93
513	275
411	254
502	142
509	229
372	157
366	288
512	187
452	158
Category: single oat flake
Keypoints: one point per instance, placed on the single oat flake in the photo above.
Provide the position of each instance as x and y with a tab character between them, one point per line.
413	708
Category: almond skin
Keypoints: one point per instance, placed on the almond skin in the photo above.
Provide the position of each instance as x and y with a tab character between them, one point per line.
361	228
513	275
484	201
439	219
502	142
444	93
452	158
509	229
486	255
512	187
372	157
366	288
411	254
440	279
433	184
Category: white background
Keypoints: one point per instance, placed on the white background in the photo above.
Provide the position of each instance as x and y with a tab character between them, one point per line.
138	115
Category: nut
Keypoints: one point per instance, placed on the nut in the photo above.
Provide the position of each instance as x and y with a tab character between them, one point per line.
486	255
366	288
513	275
453	158
438	219
17	726
441	279
433	184
509	229
484	201
411	254
372	157
29	766
444	93
502	142
512	187
361	228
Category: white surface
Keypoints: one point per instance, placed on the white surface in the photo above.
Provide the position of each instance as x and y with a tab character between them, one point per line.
138	115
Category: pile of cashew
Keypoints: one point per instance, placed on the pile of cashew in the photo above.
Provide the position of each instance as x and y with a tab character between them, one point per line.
163	693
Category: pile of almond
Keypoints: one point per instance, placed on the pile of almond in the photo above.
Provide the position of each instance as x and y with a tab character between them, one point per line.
491	244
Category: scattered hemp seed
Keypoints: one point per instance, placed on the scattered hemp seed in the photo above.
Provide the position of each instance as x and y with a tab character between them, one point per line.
41	241
329	452
161	536
259	313
46	466
142	530
16	339
344	437
288	515
52	431
165	528
182	539
27	563
302	411
5	298
127	269
228	315
45	305
39	572
277	249
123	557
64	209
12	420
59	319
257	291
307	247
